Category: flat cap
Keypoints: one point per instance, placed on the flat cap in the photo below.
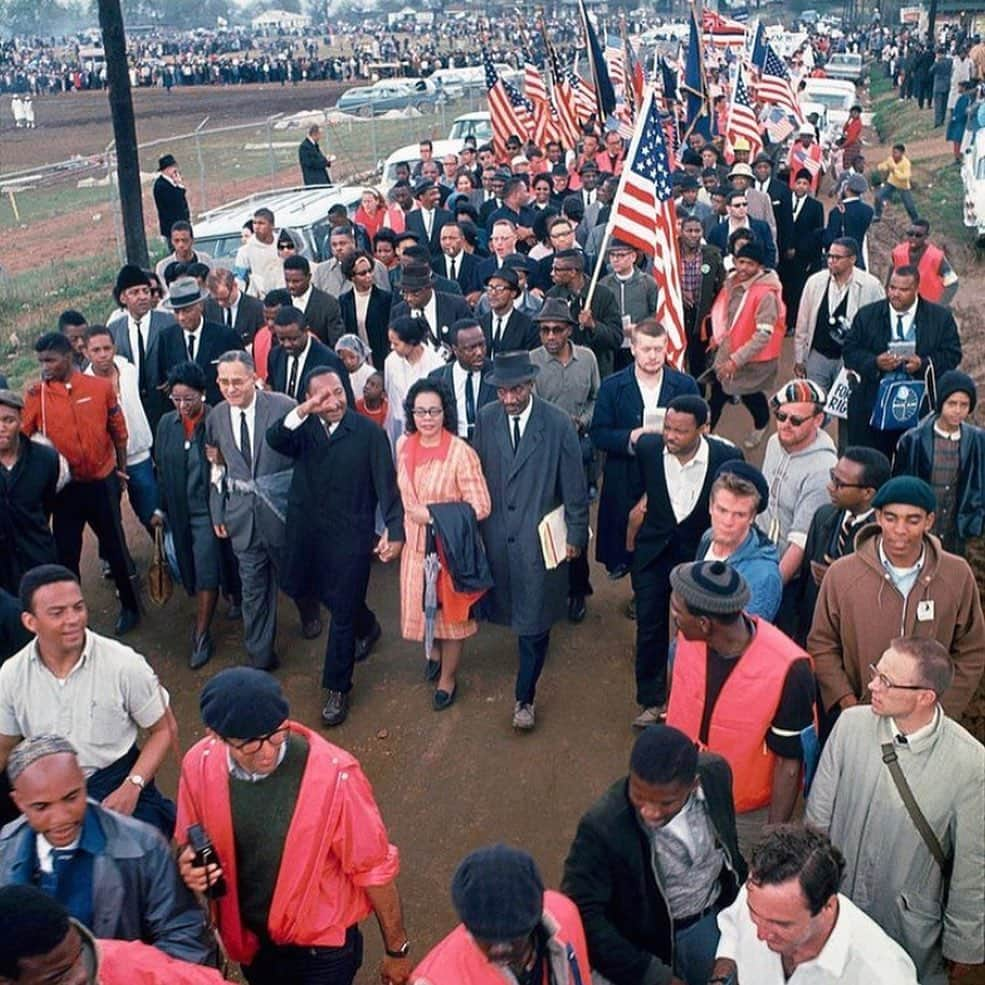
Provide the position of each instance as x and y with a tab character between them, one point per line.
498	893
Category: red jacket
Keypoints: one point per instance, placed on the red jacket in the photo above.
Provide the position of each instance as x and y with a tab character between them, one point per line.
336	845
931	287
136	963
744	327
83	420
457	961
744	710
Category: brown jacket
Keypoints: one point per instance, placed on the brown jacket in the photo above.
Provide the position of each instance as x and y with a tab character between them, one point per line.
860	612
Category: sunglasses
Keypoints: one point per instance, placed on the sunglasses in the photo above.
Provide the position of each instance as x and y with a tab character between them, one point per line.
783	417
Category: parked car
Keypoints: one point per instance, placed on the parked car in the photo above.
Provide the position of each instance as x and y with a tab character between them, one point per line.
391	94
411	154
476	125
218	232
973	178
845	65
837	95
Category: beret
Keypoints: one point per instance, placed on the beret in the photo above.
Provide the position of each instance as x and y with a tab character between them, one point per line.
498	893
906	490
243	703
737	467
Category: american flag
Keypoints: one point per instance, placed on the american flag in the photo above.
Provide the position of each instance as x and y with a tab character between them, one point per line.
563	99
643	214
509	112
777	123
742	120
721	32
774	86
533	82
584	97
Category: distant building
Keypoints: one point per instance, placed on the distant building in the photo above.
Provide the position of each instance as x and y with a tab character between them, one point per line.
274	20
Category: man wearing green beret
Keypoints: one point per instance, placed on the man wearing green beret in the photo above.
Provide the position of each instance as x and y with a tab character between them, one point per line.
899	582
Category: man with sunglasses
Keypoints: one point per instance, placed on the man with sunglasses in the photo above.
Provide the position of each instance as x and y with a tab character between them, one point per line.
888	862
298	839
938	280
898	581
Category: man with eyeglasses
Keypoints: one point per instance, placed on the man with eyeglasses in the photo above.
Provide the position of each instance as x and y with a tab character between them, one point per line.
898	581
855	479
298	841
938	280
560	236
736	217
505	328
933	907
828	305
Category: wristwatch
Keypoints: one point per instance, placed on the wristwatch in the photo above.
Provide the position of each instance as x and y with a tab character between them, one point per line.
137	780
400	952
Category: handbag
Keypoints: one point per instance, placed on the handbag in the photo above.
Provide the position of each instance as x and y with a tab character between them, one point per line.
891	760
900	400
159	583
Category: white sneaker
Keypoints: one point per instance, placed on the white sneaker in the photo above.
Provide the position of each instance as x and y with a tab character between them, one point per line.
650	716
523	716
755	439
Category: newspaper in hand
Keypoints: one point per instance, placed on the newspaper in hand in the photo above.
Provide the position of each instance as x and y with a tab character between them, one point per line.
553	533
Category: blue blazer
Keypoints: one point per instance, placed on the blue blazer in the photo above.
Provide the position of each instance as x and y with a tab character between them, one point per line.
718	236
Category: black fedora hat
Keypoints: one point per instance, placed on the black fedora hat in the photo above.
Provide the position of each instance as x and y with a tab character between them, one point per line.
511	368
166	161
555	310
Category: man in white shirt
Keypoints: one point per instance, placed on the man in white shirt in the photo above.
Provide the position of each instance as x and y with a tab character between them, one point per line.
789	924
258	265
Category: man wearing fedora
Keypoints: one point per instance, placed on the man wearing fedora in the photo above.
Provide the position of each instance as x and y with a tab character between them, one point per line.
137	336
759	206
192	338
170	196
532	464
428	218
420	300
506	329
569	379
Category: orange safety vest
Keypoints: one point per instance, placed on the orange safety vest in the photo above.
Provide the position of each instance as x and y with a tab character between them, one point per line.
744	710
744	327
931	287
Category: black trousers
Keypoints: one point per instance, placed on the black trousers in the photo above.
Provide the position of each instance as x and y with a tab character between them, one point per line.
280	965
651	586
352	619
756	404
578	576
533	653
97	504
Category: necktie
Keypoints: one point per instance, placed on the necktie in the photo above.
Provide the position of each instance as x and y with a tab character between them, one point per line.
516	434
900	333
428	222
191	348
229	317
48	881
245	447
844	535
292	383
451	268
469	404
141	356
498	335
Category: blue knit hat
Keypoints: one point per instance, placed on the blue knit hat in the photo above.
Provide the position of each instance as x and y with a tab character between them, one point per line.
498	893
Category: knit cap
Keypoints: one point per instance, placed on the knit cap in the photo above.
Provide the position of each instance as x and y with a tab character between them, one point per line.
498	893
710	586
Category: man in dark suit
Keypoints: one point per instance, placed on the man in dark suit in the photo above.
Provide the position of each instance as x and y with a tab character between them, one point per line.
343	471
137	337
779	195
321	311
851	217
454	263
428	218
493	189
532	463
170	197
855	480
465	374
516	210
702	276
902	333
229	306
298	351
630	404
505	328
718	234
314	164
803	256
410	251
193	338
678	469
421	300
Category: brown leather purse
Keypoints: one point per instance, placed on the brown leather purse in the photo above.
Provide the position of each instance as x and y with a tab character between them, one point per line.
159	582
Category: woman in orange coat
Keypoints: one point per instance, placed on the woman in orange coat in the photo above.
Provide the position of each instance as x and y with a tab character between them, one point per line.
434	466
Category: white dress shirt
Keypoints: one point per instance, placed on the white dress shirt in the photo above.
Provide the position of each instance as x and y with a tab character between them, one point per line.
684	481
301	302
459	377
301	359
45	848
858	951
251	414
523	418
907	317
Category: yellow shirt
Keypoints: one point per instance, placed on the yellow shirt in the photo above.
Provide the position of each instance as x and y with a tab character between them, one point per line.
898	172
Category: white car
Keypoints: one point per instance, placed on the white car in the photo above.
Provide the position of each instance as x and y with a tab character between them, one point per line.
837	96
973	178
468	125
477	125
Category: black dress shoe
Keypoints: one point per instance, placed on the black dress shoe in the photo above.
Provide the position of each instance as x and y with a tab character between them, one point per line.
202	649
366	643
576	608
336	708
311	629
269	665
126	621
443	699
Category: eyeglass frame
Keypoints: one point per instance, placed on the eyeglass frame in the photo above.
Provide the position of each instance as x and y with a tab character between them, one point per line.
841	484
428	411
886	682
246	745
782	416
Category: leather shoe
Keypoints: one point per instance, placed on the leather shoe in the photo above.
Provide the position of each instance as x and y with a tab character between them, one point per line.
366	643
336	708
202	649
432	670
126	621
576	608
443	699
311	629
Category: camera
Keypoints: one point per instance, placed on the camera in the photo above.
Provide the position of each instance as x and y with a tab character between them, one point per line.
840	327
205	854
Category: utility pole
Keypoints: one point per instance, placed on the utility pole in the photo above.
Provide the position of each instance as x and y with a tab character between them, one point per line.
124	131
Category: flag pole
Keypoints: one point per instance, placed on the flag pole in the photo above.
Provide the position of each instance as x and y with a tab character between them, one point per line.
641	119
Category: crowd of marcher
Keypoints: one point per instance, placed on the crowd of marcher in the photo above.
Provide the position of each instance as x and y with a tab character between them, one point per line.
474	372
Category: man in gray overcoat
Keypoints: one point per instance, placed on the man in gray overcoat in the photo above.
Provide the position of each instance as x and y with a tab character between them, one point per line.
933	908
532	462
248	499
